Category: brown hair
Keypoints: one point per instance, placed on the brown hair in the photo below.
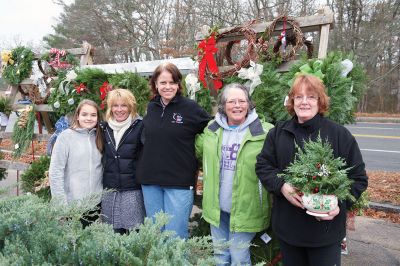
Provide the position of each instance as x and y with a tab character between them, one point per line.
313	85
75	122
176	76
125	96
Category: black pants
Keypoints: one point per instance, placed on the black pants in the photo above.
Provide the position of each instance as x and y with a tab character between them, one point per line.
319	256
90	216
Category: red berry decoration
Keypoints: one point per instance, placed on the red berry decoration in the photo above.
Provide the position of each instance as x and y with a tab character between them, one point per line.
316	190
318	165
314	177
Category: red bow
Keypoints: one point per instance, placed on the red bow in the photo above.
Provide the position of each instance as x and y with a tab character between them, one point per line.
206	52
56	62
104	89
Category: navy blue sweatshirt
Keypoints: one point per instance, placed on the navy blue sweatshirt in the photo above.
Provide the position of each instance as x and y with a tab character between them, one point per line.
168	157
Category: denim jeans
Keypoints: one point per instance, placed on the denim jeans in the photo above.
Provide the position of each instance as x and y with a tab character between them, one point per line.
238	252
177	203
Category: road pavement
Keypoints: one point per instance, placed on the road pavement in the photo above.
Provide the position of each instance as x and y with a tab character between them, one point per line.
379	144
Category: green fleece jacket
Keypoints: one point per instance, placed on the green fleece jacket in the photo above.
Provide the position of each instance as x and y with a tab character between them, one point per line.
251	203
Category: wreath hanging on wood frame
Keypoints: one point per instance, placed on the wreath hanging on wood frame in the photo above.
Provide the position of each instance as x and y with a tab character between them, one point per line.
17	64
293	37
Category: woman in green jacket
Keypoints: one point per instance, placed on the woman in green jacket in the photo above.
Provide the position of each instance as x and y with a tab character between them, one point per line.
234	202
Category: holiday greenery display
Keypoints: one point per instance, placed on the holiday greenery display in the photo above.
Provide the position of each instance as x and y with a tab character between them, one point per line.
5	105
23	131
315	170
17	64
344	88
34	179
136	84
35	232
70	88
92	83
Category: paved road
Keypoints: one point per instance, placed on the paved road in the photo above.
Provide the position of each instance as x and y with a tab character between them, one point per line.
379	144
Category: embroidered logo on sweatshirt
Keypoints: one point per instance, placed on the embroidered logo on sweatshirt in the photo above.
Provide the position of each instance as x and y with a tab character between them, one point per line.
177	118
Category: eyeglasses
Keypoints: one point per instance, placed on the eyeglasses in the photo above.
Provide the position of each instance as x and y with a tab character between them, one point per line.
310	98
239	101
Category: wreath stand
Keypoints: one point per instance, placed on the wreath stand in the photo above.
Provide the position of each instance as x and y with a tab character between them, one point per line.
255	31
27	86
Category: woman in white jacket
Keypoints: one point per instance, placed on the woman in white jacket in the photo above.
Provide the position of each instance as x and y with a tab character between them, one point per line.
75	168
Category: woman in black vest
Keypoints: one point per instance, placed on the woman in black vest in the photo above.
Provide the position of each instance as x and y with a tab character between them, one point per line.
123	207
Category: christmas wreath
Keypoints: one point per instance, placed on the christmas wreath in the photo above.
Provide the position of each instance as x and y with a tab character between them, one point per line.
17	64
315	170
71	88
60	59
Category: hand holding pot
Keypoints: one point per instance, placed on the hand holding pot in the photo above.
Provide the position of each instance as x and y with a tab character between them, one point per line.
291	195
332	214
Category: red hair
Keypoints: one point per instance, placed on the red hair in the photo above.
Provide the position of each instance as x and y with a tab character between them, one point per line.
312	85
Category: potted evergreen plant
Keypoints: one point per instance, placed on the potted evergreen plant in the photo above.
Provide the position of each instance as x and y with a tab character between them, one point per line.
319	177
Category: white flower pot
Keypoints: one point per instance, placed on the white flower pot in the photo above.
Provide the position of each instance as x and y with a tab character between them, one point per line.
319	205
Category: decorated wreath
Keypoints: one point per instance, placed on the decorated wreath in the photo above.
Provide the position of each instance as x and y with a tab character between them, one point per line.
60	59
16	64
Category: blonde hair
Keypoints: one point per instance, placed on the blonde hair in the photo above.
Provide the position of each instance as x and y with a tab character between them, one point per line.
75	122
123	95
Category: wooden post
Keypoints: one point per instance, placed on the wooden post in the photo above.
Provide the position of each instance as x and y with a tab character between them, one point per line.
323	41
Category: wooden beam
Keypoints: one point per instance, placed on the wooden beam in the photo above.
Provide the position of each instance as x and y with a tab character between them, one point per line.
38	108
13	165
40	137
307	24
146	68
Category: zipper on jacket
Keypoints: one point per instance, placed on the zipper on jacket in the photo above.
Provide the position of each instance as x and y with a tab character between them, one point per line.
163	107
90	163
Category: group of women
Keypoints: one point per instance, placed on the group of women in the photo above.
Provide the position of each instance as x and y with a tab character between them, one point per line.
149	165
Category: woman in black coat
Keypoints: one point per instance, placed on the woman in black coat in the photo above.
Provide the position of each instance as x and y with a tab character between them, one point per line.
123	207
304	239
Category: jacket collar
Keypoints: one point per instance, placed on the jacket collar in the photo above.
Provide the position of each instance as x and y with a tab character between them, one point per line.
310	126
255	127
157	99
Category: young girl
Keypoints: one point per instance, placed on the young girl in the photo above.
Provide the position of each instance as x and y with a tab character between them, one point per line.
75	167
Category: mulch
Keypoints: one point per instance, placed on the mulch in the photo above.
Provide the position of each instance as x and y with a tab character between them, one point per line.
383	187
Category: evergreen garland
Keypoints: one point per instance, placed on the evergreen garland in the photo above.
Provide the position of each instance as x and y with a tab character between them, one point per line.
23	131
316	171
137	85
204	99
19	67
35	232
35	174
64	99
344	92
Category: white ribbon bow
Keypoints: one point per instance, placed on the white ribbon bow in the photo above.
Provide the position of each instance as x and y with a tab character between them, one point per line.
71	75
192	85
38	79
252	74
347	67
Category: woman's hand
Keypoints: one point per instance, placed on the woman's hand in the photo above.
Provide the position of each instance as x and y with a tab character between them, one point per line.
331	215
292	196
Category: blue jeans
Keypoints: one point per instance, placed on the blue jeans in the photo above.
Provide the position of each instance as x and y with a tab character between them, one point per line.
238	252
177	203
